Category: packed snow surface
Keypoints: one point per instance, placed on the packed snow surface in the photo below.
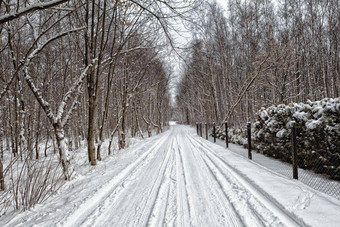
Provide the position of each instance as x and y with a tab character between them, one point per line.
179	179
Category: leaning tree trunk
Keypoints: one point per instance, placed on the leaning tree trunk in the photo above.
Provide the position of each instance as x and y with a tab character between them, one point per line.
62	149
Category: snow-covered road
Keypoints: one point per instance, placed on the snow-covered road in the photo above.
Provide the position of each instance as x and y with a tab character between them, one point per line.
178	182
173	179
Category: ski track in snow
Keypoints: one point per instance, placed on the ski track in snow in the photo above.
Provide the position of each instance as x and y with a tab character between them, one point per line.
96	205
177	180
249	203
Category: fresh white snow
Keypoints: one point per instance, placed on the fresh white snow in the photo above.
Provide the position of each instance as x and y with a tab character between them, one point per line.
179	179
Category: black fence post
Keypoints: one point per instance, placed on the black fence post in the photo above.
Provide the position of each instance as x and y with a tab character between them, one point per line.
214	132
197	127
249	140
206	131
201	129
294	152
226	135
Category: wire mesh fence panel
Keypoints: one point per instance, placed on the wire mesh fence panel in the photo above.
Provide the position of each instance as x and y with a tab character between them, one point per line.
275	165
318	168
320	182
319	161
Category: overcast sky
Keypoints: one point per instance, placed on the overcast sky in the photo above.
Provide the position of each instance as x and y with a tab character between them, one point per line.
182	39
223	3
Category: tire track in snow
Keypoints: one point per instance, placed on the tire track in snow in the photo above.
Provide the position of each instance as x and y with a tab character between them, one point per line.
130	205
230	192
93	203
146	213
182	198
231	216
171	207
205	201
250	193
160	207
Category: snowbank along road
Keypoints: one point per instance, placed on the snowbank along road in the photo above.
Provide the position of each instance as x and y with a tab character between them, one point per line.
173	179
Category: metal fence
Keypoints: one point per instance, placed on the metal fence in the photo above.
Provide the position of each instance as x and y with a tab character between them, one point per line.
310	168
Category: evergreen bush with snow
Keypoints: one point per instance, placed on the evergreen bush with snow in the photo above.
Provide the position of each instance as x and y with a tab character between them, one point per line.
318	134
235	135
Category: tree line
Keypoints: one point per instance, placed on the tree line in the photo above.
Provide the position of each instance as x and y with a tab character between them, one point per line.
82	70
259	53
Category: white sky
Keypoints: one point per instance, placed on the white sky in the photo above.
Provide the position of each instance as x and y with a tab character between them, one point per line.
222	3
182	39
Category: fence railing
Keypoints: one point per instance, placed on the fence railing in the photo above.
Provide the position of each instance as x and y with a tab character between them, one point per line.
295	168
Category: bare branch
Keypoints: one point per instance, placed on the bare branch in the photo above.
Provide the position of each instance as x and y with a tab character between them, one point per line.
34	7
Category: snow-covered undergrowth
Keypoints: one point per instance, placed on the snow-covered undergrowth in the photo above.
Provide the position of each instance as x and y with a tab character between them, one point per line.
29	181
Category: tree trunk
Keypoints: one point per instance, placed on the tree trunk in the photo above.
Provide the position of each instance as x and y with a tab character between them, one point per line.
2	180
37	136
46	144
91	130
62	148
122	138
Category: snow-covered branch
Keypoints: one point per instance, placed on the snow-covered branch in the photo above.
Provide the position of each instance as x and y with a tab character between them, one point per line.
72	90
36	91
37	6
41	47
72	108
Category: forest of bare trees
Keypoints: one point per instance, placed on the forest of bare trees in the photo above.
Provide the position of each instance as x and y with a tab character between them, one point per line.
73	71
258	53
76	72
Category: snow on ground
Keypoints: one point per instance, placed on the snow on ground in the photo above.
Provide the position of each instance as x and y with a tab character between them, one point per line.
179	179
172	122
308	177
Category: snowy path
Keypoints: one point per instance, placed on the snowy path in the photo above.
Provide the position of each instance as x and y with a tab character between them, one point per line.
176	182
173	179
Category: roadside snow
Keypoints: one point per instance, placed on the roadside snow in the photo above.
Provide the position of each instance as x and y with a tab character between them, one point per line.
179	179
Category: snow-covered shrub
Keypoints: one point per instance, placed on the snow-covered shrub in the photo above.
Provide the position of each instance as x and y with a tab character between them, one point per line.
318	134
235	135
29	182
